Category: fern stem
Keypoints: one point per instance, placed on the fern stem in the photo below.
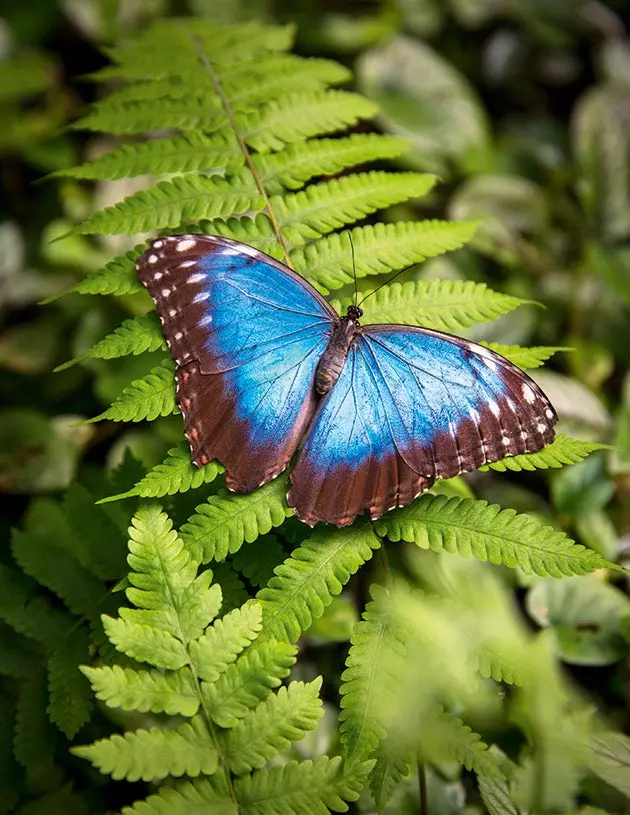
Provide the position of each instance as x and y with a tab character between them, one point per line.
243	147
422	784
387	572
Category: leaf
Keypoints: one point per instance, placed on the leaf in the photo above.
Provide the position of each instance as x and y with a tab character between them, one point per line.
146	644
149	755
226	521
444	737
393	760
609	758
444	305
307	581
224	641
280	719
423	98
562	450
247	682
135	336
118	277
70	705
525	358
175	474
331	262
146	398
257	563
323	207
172	693
485	531
188	798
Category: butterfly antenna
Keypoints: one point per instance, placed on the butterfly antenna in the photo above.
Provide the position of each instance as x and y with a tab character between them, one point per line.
386	283
354	270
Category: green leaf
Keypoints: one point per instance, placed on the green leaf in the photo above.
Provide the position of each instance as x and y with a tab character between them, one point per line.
476	529
188	798
172	693
525	358
146	398
562	450
444	737
149	755
270	727
583	488
135	336
224	641
257	562
145	644
70	703
226	521
247	681
117	277
393	760
609	758
307	581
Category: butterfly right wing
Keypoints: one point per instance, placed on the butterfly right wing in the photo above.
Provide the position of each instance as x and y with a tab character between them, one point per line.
247	334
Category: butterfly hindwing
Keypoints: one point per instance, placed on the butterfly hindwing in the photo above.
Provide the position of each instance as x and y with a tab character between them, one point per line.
247	334
412	405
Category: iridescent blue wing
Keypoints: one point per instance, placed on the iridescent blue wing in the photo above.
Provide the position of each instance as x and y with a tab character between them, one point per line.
247	334
411	406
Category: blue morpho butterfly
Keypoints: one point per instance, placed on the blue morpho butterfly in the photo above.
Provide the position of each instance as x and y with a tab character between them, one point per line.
264	365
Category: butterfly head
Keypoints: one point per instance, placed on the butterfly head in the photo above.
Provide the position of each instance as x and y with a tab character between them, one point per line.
354	312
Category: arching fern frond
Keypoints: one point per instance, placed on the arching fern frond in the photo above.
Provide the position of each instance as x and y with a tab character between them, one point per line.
562	450
525	357
146	398
477	529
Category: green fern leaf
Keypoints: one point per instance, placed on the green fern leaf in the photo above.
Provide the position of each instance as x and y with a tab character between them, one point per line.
299	116
224	641
497	797
146	398
307	581
493	665
199	797
226	520
171	596
148	755
281	719
393	760
175	474
256	231
444	305
301	788
376	657
70	704
135	336
117	277
146	644
444	737
297	163
476	529
323	207
258	563
247	682
173	693
378	249
194	151
562	450
525	357
189	113
19	656
232	587
35	737
171	203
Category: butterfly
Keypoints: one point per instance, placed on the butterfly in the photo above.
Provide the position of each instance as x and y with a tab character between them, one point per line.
376	413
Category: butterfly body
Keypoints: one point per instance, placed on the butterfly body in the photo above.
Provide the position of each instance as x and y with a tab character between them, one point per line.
376	413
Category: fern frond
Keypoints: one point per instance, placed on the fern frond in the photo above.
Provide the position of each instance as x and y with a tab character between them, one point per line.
70	704
35	737
320	208
444	305
247	682
149	755
224	641
301	788
203	795
307	581
145	643
485	531
256	231
299	116
19	656
258	564
227	520
270	727
172	693
393	760
192	112
175	474
491	664
378	249
146	398
134	336
525	358
375	659
496	795
194	151
562	450
165	586
117	277
444	737
171	203
292	167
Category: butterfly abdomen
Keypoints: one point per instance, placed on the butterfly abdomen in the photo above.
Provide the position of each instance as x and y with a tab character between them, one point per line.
334	357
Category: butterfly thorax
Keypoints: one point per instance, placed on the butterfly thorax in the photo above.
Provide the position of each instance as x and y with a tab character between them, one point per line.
334	357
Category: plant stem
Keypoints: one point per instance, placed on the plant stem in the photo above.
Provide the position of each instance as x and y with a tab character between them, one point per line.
422	783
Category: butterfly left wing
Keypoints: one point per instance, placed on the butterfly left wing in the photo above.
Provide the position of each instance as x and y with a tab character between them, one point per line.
247	334
412	405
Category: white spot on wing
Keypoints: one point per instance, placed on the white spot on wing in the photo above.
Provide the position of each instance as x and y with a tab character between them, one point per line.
195	278
158	244
494	408
205	320
153	258
172	312
186	264
166	292
178	335
199	298
186	244
541	427
506	441
158	275
528	394
549	413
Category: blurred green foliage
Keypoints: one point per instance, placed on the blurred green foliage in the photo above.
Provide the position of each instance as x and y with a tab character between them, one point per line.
522	108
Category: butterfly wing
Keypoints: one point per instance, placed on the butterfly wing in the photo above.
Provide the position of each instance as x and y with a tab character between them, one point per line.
412	405
247	334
